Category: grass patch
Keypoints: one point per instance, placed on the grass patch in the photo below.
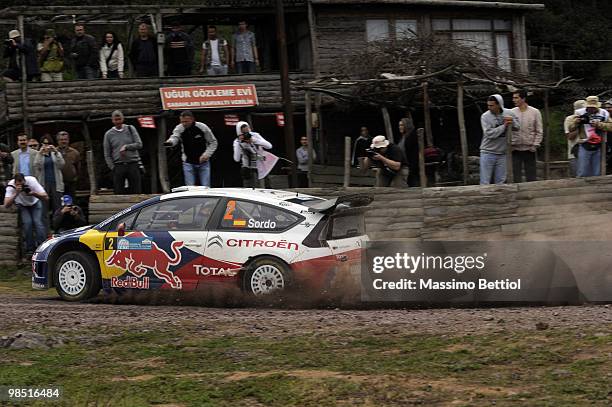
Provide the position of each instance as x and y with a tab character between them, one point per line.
16	280
182	367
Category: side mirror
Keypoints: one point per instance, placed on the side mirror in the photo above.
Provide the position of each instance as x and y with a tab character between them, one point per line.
121	229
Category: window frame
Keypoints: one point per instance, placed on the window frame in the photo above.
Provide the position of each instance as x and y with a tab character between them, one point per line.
391	21
221	209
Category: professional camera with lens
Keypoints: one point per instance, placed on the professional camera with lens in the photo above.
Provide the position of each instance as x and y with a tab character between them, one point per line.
246	136
8	43
371	152
585	118
26	189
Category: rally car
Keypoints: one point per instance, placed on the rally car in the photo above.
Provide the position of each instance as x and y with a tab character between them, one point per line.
259	239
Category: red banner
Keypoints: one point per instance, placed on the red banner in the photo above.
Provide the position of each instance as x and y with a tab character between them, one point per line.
208	97
280	119
231	119
147	122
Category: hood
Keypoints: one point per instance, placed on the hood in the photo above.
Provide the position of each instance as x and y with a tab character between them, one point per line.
500	100
239	125
78	230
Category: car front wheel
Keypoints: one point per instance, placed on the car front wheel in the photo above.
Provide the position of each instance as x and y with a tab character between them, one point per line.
266	275
76	276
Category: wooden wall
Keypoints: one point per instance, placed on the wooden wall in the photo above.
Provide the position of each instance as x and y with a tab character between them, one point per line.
78	99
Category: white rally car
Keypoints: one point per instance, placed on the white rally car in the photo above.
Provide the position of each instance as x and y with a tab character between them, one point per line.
260	239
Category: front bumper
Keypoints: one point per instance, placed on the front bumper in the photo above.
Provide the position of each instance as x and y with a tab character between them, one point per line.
40	274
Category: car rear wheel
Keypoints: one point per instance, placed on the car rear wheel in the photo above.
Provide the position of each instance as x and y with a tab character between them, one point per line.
266	275
76	276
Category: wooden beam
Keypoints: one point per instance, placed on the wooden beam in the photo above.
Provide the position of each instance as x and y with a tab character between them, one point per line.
387	123
160	47
509	167
427	114
546	136
421	141
24	80
462	134
89	157
347	162
314	41
162	160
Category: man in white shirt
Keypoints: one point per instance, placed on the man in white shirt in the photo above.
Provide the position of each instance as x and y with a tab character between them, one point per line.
527	139
27	193
214	54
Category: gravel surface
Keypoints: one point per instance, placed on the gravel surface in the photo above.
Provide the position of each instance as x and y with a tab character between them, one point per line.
21	313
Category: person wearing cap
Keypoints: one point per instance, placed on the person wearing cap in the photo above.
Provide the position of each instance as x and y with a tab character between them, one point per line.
84	53
527	139
179	52
594	123
14	48
198	143
121	144
387	157
572	136
69	216
494	123
51	58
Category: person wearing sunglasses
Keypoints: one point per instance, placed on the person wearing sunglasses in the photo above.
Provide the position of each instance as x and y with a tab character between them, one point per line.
33	144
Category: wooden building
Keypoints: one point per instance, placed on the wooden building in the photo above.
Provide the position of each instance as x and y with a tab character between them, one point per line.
318	33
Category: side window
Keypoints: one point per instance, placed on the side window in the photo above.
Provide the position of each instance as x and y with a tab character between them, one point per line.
245	215
176	214
343	227
127	219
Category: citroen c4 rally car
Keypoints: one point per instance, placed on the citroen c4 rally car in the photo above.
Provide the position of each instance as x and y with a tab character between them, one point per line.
261	240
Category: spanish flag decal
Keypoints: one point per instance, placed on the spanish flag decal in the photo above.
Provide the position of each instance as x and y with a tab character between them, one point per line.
239	223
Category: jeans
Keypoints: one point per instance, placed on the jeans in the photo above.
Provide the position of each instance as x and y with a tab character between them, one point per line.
572	166
492	165
589	162
526	159
129	171
217	70
203	170
245	67
86	72
31	218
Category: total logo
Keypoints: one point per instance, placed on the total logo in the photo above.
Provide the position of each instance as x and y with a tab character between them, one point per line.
130	282
214	271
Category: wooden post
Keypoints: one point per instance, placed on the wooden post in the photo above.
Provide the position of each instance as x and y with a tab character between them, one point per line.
162	161
24	81
546	137
314	43
286	88
153	166
160	47
509	167
388	126
427	115
89	158
421	141
322	139
604	147
347	162
462	133
308	114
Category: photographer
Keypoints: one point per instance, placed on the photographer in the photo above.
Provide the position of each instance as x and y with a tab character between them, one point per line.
68	217
14	48
388	157
51	58
595	122
27	193
248	147
48	165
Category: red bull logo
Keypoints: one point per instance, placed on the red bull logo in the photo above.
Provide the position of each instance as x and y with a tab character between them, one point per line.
138	262
130	282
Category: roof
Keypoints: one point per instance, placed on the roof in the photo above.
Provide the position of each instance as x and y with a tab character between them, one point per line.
438	3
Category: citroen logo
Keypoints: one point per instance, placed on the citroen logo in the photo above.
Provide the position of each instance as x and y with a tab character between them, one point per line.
215	240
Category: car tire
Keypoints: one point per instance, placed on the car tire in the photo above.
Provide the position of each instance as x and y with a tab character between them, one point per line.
265	275
76	276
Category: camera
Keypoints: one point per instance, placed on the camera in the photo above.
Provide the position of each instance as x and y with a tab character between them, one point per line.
26	189
8	43
371	152
246	136
585	118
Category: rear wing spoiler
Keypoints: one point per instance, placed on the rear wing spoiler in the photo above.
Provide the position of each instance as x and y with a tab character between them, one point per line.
349	201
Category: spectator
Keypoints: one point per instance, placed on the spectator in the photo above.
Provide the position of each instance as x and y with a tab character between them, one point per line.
387	157
84	53
27	193
111	56
594	121
245	57
72	166
143	53
179	52
214	54
409	143
362	143
121	145
69	216
198	144
302	157
6	162
33	144
23	157
493	146
248	147
527	139
573	136
51	58
48	164
14	48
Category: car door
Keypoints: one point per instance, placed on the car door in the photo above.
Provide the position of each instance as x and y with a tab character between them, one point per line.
159	250
346	238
